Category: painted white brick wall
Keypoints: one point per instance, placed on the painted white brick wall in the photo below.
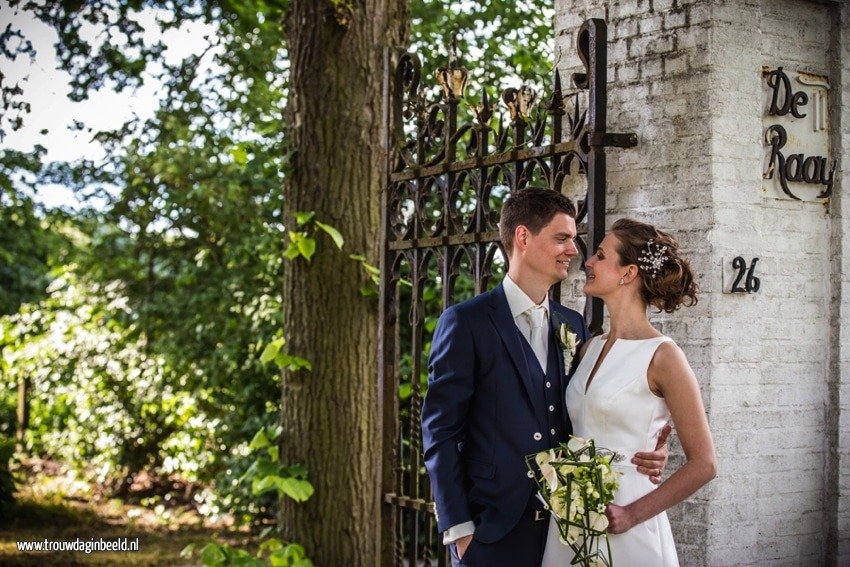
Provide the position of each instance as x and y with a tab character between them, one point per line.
774	366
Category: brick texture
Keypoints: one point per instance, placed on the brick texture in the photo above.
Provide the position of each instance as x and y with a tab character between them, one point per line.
774	366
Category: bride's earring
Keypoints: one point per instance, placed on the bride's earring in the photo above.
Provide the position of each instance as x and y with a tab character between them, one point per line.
622	281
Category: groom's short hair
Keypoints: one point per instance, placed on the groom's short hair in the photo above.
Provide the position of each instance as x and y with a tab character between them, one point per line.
532	207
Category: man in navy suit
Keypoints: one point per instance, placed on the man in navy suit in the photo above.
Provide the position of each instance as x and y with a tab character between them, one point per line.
496	392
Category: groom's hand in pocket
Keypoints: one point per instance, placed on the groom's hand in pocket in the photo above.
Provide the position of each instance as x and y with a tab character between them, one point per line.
652	463
461	544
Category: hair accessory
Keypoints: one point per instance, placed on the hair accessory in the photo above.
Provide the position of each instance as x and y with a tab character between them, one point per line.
652	258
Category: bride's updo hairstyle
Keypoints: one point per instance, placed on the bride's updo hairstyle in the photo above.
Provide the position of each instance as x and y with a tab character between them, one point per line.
666	279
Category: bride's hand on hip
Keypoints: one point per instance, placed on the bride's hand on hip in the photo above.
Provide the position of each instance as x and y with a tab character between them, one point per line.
620	519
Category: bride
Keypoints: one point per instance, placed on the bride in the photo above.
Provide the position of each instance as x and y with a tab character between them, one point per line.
629	383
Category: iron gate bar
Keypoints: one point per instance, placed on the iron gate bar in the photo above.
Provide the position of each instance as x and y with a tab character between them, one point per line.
424	221
510	156
592	49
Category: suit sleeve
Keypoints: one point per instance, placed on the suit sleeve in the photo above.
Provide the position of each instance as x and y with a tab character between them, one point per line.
444	414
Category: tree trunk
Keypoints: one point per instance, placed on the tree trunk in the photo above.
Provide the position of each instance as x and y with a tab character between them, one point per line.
23	421
330	416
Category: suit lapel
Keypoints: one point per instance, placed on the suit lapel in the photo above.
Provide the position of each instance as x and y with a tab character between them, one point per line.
500	314
554	321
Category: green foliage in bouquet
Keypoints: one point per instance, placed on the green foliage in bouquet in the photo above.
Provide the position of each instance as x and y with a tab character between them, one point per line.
576	482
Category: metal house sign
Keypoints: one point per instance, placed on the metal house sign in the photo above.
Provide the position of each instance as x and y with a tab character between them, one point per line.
796	130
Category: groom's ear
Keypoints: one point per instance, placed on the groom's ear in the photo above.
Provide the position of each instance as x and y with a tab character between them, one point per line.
521	234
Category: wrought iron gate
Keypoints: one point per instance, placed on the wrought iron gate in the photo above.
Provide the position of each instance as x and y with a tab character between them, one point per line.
440	241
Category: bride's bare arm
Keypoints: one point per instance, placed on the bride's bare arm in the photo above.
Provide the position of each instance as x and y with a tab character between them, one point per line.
670	376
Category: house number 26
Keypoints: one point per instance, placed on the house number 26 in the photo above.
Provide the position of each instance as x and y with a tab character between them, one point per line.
751	282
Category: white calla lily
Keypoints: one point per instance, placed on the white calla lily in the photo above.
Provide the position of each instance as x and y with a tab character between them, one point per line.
598	522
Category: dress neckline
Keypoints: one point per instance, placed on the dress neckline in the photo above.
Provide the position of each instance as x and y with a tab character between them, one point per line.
598	364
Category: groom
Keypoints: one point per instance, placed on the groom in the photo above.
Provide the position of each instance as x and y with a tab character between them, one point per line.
496	392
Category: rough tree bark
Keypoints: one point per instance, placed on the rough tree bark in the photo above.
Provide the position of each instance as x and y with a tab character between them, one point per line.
330	415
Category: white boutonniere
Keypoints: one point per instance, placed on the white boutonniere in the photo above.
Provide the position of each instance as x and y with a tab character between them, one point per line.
567	342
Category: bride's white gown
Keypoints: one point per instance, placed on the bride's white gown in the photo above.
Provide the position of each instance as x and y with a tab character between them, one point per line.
619	412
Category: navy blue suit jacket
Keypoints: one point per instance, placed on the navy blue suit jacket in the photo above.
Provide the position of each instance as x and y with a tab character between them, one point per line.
482	414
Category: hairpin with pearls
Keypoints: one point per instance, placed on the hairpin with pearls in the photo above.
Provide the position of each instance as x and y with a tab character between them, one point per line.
652	258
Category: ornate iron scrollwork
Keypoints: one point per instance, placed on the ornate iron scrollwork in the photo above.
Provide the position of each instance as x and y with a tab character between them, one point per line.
449	169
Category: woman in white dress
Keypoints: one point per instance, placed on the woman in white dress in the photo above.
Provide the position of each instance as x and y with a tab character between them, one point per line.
629	383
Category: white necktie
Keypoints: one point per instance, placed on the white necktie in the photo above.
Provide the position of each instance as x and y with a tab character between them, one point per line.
537	318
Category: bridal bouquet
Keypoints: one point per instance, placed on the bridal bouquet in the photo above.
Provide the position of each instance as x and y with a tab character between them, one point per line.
576	483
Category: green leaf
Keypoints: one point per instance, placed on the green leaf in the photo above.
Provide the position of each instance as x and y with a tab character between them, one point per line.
334	233
299	471
271	350
291	362
303	218
275	431
271	544
307	247
264	467
262	485
259	441
213	554
297	489
289	556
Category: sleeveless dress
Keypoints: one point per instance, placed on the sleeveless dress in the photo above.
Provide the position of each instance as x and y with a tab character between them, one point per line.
619	412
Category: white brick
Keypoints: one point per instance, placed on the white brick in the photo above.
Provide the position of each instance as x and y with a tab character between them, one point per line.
626	28
676	65
650	25
675	19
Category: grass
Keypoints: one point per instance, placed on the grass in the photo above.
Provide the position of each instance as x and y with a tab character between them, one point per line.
61	507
